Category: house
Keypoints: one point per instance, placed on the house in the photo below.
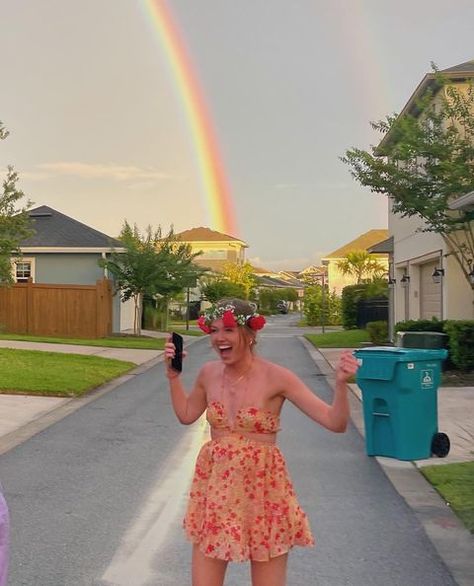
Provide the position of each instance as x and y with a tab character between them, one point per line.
64	251
216	248
335	279
426	280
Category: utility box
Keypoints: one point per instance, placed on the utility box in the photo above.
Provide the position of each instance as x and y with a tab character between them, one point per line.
400	401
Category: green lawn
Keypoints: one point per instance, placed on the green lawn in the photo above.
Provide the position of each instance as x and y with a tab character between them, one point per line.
455	483
119	341
339	339
53	374
184	332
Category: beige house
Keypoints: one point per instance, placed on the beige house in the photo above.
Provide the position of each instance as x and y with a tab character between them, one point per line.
335	279
217	249
426	280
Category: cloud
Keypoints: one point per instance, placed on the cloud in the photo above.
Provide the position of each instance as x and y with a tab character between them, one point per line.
96	171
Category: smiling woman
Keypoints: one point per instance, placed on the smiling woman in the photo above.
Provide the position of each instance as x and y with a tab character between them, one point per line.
242	505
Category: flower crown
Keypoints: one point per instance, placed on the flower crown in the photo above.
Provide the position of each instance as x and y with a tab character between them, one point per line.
231	319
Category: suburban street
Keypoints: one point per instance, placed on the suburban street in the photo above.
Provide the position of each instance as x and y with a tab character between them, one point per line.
97	498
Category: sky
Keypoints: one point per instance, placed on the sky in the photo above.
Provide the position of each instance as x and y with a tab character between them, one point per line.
99	131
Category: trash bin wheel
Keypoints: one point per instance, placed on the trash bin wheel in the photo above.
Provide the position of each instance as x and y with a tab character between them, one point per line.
440	445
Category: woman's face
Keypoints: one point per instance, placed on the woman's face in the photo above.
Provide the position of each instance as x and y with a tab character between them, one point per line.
229	342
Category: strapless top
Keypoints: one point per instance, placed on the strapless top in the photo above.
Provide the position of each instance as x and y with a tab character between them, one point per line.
247	419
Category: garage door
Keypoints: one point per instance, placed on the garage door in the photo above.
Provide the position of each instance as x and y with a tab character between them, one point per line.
430	293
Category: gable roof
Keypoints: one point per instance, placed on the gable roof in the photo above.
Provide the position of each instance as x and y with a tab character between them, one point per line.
430	81
56	230
386	247
467	67
362	242
202	234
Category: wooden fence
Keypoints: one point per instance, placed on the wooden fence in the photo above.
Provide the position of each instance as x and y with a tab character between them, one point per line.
42	309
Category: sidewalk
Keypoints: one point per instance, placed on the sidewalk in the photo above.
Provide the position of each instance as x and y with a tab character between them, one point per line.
453	542
17	411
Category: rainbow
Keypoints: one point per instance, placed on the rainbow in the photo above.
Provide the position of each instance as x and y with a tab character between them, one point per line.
217	193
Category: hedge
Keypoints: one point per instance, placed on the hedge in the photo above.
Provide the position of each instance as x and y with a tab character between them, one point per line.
461	343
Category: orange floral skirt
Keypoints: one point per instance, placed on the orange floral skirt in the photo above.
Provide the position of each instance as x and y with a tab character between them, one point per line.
242	504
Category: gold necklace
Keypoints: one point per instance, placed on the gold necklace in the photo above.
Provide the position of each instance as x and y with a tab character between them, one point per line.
233	383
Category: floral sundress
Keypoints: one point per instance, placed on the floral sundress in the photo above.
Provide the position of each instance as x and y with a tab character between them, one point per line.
242	505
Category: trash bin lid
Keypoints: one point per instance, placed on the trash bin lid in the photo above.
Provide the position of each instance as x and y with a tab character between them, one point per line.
398	354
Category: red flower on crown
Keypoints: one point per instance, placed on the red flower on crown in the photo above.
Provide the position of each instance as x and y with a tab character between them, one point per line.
201	322
256	322
228	319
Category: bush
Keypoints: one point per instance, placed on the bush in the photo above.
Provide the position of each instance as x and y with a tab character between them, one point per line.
461	343
350	296
420	325
378	331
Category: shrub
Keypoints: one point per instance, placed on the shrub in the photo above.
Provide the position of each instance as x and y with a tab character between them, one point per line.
350	296
420	325
461	343
378	331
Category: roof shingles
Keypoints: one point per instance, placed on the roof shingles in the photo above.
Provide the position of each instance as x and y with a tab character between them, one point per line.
54	229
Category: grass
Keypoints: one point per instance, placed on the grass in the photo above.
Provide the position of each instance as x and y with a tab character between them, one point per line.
53	374
455	483
339	339
185	332
119	341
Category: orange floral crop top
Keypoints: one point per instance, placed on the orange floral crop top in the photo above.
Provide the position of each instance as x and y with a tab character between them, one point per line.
247	419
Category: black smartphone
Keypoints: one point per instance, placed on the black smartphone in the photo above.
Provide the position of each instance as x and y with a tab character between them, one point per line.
177	361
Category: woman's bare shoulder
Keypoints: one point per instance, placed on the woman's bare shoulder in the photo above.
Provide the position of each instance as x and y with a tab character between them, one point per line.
274	370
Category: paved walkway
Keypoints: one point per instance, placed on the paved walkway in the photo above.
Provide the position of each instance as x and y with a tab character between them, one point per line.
23	416
17	411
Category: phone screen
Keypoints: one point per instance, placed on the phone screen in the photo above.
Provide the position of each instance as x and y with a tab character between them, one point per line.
177	361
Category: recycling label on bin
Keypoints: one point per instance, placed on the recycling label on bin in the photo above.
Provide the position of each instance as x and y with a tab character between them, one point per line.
427	378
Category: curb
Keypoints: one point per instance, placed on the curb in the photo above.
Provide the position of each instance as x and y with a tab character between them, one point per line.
452	541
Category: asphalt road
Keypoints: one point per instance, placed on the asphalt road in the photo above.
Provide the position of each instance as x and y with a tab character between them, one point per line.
97	499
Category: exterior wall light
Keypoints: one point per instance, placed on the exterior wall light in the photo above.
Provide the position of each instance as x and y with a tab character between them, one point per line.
405	280
437	275
391	282
471	277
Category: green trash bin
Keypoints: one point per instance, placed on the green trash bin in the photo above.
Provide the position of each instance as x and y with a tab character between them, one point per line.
400	401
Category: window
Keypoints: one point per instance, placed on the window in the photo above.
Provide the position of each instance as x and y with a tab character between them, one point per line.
214	254
23	270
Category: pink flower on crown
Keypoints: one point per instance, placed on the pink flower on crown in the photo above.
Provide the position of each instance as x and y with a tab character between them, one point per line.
256	322
201	322
228	319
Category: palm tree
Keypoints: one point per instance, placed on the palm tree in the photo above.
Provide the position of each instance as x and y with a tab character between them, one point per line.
361	265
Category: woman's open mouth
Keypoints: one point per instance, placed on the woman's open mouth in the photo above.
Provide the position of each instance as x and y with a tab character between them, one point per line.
224	350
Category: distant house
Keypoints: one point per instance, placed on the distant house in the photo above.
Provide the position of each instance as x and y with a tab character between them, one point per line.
217	248
336	280
426	279
64	251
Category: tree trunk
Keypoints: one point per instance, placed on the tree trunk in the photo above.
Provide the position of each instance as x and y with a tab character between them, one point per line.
137	318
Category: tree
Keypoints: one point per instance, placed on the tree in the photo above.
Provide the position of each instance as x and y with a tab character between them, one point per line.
15	224
241	274
361	265
426	160
220	289
151	265
321	307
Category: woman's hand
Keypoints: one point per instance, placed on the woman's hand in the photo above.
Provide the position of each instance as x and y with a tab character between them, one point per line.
347	367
